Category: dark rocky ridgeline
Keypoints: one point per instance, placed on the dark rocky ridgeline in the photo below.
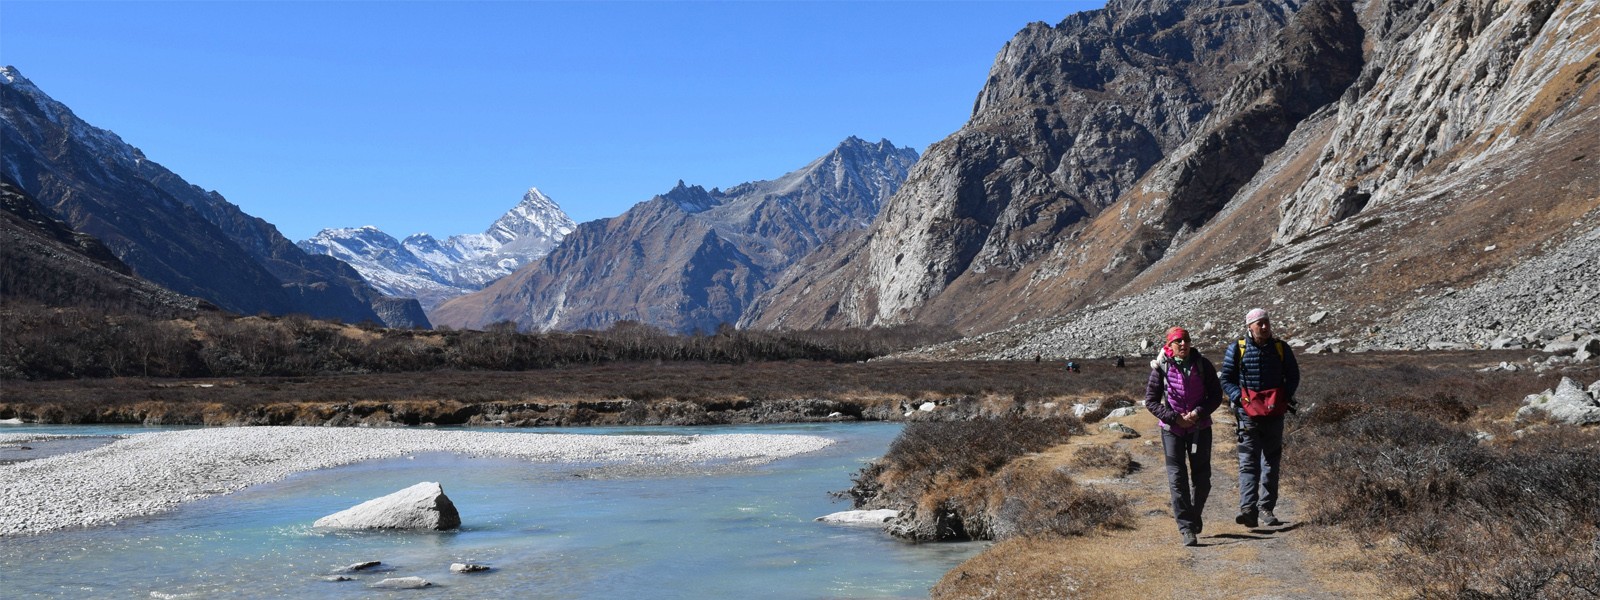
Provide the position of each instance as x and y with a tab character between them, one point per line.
168	231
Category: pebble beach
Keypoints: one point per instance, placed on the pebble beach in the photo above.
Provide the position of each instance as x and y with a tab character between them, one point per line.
149	473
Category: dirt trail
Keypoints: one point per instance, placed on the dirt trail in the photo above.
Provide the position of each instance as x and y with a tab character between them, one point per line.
1232	561
1297	560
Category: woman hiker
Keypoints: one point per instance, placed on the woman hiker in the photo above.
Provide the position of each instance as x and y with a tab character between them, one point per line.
1182	393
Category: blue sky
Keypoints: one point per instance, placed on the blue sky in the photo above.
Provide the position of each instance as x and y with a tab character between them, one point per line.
436	116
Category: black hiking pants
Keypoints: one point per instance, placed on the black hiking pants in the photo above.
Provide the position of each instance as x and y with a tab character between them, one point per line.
1188	475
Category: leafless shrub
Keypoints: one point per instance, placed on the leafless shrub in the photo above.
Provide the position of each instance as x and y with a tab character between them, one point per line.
941	476
1032	501
63	343
1471	518
929	453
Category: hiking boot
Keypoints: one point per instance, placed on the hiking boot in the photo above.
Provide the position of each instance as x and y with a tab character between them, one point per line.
1199	526
1270	520
1189	539
1247	519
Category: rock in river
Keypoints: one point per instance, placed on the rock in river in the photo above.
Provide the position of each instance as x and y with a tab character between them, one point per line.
421	506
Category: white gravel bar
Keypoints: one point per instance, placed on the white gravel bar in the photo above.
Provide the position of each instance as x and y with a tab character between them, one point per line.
148	473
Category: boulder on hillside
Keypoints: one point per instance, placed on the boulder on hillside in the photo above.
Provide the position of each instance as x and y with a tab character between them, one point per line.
1508	343
1568	403
421	506
1588	346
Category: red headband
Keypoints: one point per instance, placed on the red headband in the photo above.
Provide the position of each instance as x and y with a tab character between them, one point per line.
1176	333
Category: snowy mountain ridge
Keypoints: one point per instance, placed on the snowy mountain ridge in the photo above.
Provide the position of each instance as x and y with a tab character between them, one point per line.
431	270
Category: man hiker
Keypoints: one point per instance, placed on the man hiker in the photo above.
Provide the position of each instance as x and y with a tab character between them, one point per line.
1260	376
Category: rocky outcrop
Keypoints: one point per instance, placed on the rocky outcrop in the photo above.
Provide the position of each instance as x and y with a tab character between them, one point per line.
421	506
1411	174
691	259
170	232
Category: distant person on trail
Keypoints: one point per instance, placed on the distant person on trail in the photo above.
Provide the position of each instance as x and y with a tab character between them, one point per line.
1260	375
1182	393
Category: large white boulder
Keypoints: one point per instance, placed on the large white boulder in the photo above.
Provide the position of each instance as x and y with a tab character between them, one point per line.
421	506
1568	403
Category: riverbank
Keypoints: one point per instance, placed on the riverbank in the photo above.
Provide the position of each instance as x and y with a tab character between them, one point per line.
677	394
153	472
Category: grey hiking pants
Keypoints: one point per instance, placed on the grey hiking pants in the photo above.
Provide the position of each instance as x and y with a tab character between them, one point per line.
1188	475
1260	452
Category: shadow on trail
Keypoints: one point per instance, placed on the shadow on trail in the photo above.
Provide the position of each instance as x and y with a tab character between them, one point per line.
1257	533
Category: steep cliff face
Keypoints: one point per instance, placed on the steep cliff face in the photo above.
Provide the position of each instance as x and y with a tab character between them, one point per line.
1070	118
1365	157
691	259
170	232
1447	88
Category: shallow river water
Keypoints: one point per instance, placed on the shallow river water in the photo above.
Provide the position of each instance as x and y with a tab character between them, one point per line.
547	531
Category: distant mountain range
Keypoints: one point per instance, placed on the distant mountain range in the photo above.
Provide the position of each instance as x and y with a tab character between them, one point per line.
432	271
169	232
691	259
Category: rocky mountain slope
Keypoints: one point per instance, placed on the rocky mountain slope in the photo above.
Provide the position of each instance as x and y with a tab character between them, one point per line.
186	239
1364	168
42	260
433	271
691	258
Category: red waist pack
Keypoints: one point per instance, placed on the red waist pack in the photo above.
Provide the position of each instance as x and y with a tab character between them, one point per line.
1264	403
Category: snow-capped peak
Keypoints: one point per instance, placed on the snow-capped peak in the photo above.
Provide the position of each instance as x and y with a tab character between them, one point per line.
433	271
536	215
